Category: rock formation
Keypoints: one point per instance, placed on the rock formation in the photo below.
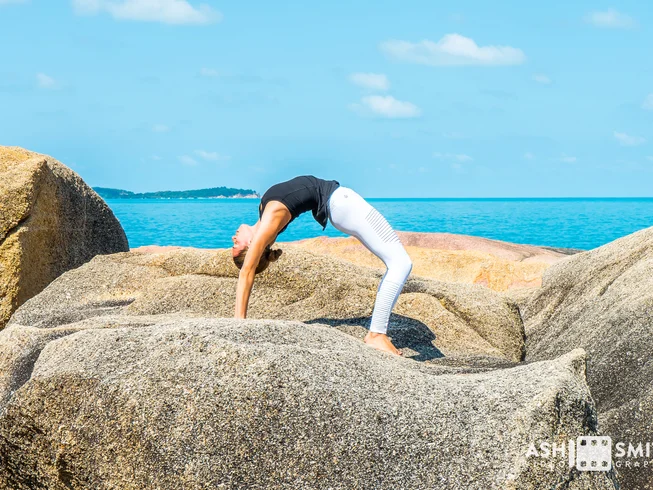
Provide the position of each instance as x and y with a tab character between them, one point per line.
168	402
50	222
500	266
431	318
602	300
119	375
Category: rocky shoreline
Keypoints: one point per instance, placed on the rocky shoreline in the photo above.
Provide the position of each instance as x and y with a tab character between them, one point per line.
125	369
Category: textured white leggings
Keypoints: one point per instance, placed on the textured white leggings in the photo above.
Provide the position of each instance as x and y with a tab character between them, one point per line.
353	215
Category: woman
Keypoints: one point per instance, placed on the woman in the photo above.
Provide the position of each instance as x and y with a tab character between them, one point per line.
349	213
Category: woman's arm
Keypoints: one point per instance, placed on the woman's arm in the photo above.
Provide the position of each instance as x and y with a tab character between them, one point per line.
245	283
266	234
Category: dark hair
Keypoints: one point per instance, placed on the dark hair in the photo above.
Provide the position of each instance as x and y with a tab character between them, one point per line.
268	256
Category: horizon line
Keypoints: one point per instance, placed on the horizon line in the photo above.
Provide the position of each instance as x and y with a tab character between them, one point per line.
414	198
522	197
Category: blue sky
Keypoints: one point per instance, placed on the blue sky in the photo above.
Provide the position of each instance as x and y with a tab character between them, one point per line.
393	99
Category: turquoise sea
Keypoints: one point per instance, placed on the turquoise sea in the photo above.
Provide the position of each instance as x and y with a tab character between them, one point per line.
558	222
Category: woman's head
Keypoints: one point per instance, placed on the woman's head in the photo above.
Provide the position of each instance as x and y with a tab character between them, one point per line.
242	239
268	256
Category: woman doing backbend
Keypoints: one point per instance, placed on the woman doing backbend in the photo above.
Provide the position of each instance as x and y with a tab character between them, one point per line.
349	213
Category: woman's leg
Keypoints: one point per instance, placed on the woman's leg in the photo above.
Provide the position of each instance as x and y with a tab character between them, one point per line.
353	215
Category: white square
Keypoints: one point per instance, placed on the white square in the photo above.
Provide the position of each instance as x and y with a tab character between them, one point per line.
594	453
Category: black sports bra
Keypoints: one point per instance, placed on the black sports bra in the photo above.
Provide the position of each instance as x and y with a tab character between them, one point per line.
301	194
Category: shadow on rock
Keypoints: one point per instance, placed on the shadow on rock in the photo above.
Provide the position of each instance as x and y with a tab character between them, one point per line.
412	336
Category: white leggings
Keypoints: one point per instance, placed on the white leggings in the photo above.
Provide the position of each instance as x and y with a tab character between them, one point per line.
353	215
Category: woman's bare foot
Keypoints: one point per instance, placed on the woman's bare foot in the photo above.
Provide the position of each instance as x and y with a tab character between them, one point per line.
381	341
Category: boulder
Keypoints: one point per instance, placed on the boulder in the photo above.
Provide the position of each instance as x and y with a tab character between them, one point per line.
602	300
163	401
50	222
498	265
432	319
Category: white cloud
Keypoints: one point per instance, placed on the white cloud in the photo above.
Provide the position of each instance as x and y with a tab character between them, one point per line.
452	50
543	79
628	140
648	103
372	81
568	159
186	160
45	81
610	19
160	128
209	72
529	156
211	156
458	157
387	106
650	158
165	11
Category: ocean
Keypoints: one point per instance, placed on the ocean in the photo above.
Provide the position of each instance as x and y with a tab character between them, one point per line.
582	223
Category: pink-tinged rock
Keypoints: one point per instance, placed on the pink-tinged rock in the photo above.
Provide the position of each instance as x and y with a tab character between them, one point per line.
454	258
154	249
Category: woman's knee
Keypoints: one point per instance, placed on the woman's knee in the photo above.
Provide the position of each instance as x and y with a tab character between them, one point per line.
400	266
407	264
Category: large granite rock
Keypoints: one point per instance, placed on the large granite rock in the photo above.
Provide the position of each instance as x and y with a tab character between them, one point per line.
431	318
602	300
169	402
498	265
50	222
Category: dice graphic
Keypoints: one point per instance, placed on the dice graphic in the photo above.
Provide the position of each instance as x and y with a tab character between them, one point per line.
594	453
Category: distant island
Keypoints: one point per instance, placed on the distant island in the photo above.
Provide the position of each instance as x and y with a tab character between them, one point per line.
212	193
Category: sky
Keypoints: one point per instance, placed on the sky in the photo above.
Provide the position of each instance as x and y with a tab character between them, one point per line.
392	99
